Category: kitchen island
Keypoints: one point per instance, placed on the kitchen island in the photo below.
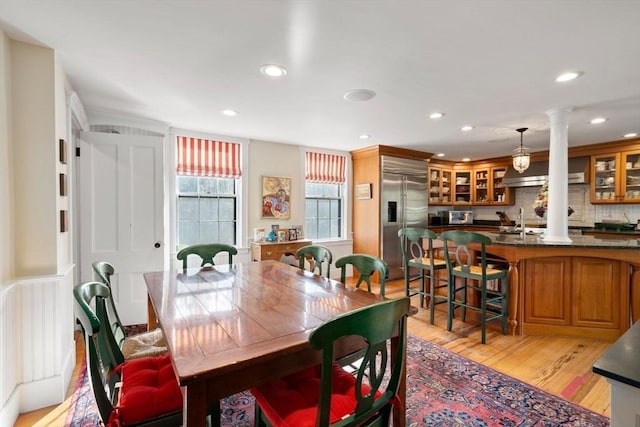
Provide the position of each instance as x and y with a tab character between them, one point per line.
589	287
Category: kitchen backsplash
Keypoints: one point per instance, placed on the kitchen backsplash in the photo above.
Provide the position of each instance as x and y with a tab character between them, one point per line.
585	214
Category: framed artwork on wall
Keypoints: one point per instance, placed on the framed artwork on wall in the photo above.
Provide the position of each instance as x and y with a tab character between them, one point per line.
276	197
62	148
64	221
63	184
363	191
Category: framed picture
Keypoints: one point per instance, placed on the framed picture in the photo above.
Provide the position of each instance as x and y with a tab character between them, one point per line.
293	234
363	191
299	231
282	235
276	197
64	221
62	148
63	184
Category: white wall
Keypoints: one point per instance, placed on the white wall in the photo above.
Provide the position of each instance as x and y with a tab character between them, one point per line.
37	351
34	144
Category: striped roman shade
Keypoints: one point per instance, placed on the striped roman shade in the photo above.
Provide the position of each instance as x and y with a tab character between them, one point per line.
202	157
325	168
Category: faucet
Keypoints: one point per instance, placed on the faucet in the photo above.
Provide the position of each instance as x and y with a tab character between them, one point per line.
523	230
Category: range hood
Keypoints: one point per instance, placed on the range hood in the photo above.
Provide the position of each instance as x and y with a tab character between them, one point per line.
538	173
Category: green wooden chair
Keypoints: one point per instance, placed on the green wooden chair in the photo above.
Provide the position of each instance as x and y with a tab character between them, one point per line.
206	251
121	346
469	272
417	254
319	254
366	266
360	399
131	385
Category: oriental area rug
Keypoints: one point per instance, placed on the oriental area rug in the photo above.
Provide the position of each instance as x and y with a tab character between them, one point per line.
443	389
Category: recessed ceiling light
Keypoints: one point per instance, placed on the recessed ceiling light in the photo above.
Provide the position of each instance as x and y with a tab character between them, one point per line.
598	120
365	136
466	159
570	75
466	128
440	155
359	95
630	135
436	115
272	70
229	113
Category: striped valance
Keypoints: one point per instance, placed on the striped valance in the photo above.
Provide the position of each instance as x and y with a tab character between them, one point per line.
202	157
325	168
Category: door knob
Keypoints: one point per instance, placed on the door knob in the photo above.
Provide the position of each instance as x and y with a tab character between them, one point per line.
156	245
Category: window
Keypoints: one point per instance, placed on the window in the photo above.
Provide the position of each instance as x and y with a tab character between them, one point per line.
323	211
207	182
324	204
207	210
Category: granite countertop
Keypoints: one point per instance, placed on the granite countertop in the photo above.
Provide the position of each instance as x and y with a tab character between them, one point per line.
620	361
532	240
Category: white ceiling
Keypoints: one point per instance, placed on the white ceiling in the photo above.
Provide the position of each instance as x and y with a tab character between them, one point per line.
490	64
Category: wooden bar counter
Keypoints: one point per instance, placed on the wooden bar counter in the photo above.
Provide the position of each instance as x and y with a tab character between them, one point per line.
589	287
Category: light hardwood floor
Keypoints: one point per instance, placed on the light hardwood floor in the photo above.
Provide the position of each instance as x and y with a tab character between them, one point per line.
558	365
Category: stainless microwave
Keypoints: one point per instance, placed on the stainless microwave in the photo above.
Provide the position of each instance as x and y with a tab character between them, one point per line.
460	217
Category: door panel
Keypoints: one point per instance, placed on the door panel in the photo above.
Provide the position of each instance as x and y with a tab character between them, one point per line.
121	213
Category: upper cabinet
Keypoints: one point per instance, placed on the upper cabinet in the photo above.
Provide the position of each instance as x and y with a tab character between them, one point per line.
462	184
631	182
616	177
488	187
439	186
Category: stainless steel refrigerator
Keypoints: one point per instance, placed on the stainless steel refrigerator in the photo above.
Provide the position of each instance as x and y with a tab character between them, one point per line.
404	204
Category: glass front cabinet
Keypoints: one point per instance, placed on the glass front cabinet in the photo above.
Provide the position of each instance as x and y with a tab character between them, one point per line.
462	185
488	187
439	186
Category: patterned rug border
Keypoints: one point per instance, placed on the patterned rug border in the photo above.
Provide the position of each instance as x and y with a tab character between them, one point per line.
473	399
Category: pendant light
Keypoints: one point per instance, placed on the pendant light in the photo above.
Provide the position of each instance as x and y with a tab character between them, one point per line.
521	157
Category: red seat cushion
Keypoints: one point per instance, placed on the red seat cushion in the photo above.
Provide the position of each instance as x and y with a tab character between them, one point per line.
149	389
292	400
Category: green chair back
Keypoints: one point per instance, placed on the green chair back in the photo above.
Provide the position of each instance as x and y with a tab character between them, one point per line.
206	251
467	265
101	367
418	254
366	265
115	335
376	324
100	363
320	255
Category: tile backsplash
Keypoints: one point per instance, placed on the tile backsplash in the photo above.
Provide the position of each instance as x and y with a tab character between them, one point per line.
585	214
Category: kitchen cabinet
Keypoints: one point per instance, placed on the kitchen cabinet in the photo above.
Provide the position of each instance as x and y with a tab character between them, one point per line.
575	295
616	177
630	182
462	184
439	186
488	187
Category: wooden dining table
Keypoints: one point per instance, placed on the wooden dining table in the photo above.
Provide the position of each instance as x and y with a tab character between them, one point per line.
232	327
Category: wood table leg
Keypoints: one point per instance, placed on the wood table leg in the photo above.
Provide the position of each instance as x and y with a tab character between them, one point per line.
194	412
514	296
152	320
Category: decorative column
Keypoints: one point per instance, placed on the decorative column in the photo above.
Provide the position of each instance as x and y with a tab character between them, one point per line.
557	201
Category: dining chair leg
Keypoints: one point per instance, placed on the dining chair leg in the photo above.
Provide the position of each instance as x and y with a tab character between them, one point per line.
463	298
422	288
432	299
450	297
483	312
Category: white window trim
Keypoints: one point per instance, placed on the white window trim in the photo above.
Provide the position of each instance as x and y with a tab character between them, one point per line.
346	205
171	176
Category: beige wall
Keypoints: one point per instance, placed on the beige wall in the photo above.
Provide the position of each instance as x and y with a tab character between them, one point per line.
273	159
6	168
33	140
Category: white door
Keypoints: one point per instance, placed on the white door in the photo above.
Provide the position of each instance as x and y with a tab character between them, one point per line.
121	213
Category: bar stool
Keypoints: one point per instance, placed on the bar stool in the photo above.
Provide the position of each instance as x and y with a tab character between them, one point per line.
493	299
417	253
